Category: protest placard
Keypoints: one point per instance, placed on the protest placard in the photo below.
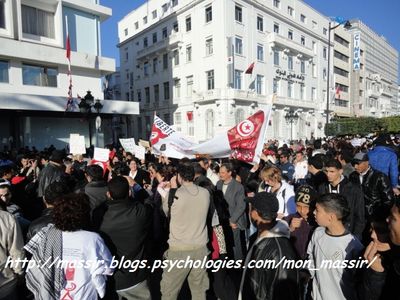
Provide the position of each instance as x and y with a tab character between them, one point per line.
128	145
140	152
77	144
101	154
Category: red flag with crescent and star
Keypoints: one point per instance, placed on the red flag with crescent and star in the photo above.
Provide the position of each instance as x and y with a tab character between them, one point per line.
243	138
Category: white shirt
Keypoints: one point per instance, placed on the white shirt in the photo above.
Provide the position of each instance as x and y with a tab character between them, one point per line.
300	170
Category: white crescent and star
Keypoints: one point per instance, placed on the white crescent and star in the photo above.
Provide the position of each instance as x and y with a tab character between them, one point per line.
245	128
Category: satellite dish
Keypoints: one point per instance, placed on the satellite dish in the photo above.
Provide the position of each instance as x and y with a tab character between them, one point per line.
98	122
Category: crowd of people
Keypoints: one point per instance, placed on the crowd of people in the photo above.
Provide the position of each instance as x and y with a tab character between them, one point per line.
120	228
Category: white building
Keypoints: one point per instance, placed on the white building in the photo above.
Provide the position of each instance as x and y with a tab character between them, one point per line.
187	61
33	71
381	68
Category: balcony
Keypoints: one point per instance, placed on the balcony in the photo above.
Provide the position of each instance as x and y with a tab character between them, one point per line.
374	93
173	41
223	94
276	40
294	102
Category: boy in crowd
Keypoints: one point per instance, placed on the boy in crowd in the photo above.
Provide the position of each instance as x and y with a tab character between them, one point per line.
333	242
301	223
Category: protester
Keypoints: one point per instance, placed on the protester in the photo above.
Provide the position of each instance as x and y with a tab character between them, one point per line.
52	172
188	235
137	174
286	167
300	169
270	244
315	169
332	241
68	240
96	188
207	165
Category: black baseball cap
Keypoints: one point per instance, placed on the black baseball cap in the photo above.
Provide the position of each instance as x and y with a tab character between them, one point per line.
266	203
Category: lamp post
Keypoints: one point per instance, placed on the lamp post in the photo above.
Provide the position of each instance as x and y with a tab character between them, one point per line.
291	117
85	107
346	25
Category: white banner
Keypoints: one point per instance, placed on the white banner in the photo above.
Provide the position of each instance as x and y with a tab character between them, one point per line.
77	144
128	145
101	154
356	51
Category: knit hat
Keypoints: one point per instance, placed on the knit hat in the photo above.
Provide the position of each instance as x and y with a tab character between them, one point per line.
265	203
305	194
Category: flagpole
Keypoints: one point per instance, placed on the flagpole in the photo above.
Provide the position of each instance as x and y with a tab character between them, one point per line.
68	54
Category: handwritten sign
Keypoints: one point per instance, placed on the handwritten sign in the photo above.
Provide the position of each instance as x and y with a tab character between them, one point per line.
77	144
128	145
140	152
144	143
101	154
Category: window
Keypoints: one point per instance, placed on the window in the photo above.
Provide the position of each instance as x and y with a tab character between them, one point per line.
303	18
132	96
189	85
209	46
154	37
260	23
324	53
208	14
290	89
303	67
175	27
166	118
188	24
165	61
276	28
290	11
341	103
238	46
139	95
290	35
314	70
239	115
188	53
238	14
154	13
145	20
131	79
178	118
164	33
277	3
136	25
276	58
314	47
145	42
38	22
155	65
190	127
139	125
209	123
126	31
177	88
147	94
260	84
156	90
290	62
174	3
210	80
176	57
324	74
146	68
2	15
275	86
238	79
126	55
164	7
342	87
341	56
341	72
39	75
313	94
302	92
324	31
166	90
3	71
260	52
303	40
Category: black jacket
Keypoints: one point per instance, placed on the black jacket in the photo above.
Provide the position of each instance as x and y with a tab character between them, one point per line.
141	177
355	198
49	174
96	191
124	228
378	193
45	219
272	282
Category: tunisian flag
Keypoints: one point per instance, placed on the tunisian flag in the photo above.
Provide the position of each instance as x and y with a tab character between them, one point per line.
244	141
250	69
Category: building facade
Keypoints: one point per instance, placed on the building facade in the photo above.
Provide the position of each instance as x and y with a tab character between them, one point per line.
187	61
381	73
34	80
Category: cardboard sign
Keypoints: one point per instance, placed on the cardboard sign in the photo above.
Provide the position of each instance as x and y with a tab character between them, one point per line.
144	143
77	144
101	154
128	145
140	152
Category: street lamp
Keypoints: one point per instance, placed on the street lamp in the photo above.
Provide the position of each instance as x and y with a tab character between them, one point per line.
291	117
346	25
85	107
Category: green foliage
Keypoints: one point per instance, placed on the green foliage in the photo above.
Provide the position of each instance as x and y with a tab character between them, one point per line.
362	126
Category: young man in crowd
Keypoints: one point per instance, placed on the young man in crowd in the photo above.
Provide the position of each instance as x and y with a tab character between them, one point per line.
286	166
